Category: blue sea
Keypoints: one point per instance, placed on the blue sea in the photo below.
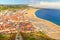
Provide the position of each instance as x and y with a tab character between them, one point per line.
52	15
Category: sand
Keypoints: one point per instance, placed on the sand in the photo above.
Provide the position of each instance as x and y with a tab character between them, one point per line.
31	14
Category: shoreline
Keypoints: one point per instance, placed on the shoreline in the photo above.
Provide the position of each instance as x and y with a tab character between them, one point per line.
32	15
49	24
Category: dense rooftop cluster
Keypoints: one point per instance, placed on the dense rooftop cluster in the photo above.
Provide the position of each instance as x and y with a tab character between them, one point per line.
12	21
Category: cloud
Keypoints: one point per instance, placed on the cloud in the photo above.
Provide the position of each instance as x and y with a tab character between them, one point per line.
55	5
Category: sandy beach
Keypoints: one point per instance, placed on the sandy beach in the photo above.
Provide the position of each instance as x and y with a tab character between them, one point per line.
31	14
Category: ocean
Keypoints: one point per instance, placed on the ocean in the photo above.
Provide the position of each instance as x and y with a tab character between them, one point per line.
52	15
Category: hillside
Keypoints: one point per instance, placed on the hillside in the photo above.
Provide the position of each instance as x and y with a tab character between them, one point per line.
8	7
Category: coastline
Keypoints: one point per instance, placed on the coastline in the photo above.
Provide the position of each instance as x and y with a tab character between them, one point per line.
56	35
32	15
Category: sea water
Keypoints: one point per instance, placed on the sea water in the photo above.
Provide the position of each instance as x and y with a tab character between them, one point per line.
52	15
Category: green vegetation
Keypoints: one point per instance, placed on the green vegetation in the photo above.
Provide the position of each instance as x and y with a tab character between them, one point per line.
8	36
4	36
8	7
35	36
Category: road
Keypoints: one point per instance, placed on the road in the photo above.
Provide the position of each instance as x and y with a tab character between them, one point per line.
19	37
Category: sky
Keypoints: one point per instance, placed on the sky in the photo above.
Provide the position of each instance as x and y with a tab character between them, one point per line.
52	0
24	1
14	1
55	5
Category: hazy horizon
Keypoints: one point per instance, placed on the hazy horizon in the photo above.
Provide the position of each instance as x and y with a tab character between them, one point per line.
13	2
34	3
